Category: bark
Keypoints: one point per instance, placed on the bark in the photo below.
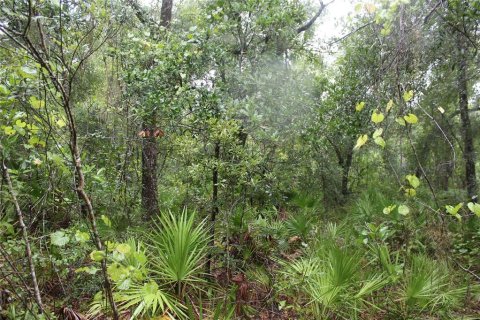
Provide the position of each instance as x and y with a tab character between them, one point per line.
149	176
344	158
215	209
466	128
166	13
149	143
310	22
346	165
28	250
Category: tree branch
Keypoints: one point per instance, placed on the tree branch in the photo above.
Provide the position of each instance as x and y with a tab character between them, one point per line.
310	22
28	249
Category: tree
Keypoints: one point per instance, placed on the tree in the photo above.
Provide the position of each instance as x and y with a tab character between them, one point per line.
149	142
61	47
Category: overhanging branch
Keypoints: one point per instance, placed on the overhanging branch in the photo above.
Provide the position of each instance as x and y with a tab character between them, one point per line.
310	22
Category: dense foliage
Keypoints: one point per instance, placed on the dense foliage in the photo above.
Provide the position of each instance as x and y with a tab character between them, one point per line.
215	159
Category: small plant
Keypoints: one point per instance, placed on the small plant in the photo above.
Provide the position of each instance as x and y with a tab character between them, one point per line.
331	282
427	286
179	246
300	224
147	299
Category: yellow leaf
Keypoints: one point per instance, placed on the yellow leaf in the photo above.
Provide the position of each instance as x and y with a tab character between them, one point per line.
413	180
97	255
33	128
61	123
37	162
380	141
474	207
377	117
359	107
36	103
9	130
389	105
123	248
377	133
19	123
361	141
410	192
389	209
403	210
442	111
408	95
411	118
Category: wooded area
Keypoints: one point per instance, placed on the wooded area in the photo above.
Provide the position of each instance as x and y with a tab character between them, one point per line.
216	159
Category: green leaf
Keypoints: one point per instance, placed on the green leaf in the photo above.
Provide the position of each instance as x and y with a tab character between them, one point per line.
123	248
386	31
400	121
117	272
411	118
361	141
413	180
408	95
6	227
33	128
377	117
61	123
110	245
380	141
454	210
118	256
36	103
106	220
89	270
97	255
19	123
9	130
139	257
4	90
359	107
403	210
82	237
124	284
474	207
59	239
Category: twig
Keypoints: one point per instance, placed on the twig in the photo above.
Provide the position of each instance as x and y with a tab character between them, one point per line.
476	276
350	33
33	275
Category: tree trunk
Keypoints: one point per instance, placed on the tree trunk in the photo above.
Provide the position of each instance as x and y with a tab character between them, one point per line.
149	143
149	175
347	163
166	13
215	209
466	128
